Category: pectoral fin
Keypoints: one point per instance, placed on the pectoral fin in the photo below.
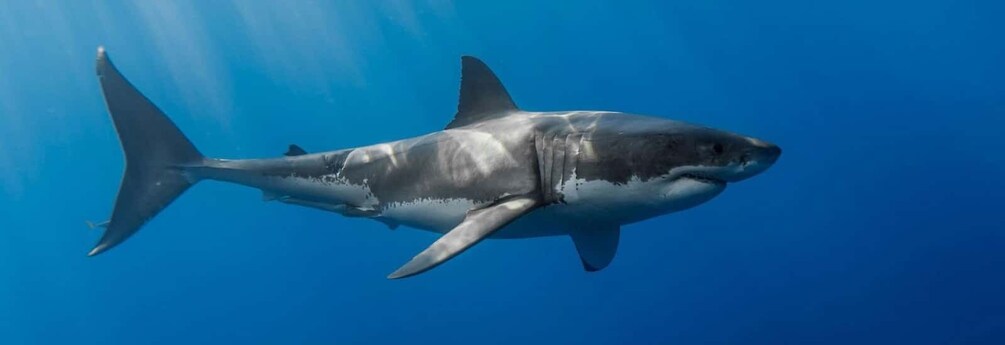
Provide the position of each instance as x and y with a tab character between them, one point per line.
596	244
478	225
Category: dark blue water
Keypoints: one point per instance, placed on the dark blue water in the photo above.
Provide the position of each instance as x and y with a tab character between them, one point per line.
882	222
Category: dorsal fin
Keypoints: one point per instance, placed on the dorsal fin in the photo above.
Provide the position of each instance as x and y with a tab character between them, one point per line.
483	96
295	150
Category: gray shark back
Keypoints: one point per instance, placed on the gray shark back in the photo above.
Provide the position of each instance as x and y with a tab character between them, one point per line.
452	164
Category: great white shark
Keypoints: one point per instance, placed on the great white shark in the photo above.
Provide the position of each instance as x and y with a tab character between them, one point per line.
496	171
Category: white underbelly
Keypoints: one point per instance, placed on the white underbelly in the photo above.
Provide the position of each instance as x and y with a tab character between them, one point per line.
634	201
586	202
439	215
443	215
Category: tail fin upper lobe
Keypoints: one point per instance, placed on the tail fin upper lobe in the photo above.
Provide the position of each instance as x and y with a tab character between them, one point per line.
155	153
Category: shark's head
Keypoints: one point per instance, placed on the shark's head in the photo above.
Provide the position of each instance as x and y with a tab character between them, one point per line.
714	156
665	166
696	163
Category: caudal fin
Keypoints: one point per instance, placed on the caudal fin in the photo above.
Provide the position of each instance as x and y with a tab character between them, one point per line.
156	152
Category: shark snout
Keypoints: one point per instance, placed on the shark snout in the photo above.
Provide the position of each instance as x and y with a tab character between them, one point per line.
771	153
763	151
757	157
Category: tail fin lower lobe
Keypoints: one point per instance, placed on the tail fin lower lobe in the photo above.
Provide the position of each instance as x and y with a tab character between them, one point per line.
155	152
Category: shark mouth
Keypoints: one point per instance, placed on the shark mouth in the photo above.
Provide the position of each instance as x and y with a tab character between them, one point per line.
703	178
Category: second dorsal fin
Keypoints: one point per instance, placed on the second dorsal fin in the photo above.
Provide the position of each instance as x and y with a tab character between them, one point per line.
295	150
483	96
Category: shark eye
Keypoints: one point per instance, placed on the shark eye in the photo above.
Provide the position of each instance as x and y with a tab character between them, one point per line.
717	148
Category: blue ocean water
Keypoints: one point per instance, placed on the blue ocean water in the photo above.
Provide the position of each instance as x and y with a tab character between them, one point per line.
881	223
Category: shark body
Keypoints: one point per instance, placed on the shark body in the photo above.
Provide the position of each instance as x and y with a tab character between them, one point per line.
495	172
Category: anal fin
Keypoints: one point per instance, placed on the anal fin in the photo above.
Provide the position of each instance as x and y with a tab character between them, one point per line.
270	196
342	209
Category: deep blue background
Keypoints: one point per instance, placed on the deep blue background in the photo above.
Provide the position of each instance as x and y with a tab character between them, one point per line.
881	223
